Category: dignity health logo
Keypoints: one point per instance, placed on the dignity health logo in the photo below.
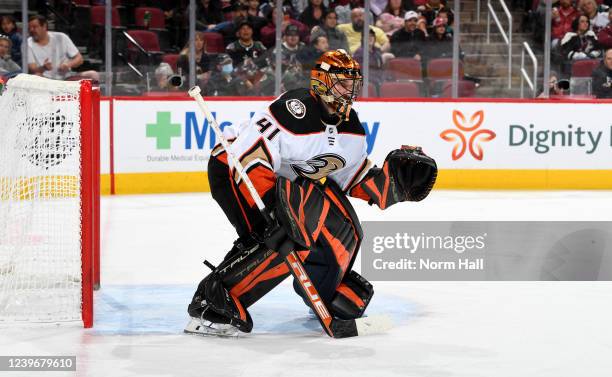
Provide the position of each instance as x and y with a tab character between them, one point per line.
464	138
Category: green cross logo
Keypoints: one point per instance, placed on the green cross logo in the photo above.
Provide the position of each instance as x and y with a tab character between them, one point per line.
163	130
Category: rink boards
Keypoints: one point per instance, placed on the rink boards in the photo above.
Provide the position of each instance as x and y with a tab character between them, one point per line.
156	145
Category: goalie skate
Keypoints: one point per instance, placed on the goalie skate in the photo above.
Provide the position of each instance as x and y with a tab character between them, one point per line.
203	327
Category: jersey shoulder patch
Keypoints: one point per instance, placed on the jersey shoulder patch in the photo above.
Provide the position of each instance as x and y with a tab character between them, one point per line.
298	112
296	108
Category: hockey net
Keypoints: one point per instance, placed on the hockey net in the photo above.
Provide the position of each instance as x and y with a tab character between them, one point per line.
48	200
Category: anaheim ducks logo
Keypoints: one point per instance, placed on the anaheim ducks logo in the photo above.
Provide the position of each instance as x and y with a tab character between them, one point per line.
319	166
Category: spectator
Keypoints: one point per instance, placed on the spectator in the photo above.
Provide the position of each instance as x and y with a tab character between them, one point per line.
444	14
375	61
9	28
555	87
335	37
581	43
430	11
238	14
308	55
297	6
203	60
598	20
254	8
7	66
290	47
268	32
174	15
163	73
408	42
440	43
245	47
314	14
293	74
562	20
379	7
354	30
602	77
222	80
605	34
208	14
52	54
256	21
392	17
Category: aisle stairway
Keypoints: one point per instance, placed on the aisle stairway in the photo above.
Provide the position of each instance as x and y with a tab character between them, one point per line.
489	62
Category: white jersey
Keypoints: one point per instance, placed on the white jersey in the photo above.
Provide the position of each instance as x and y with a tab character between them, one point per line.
291	138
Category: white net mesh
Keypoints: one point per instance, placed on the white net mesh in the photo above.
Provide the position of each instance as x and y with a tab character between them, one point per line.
40	226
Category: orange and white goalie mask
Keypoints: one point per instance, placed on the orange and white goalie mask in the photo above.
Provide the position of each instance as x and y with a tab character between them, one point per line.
336	79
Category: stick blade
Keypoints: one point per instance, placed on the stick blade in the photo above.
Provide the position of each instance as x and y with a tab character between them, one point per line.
375	324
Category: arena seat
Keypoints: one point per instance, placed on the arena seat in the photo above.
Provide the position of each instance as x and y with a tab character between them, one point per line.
405	69
158	20
438	71
581	82
214	42
584	68
98	16
400	89
147	39
467	89
171	59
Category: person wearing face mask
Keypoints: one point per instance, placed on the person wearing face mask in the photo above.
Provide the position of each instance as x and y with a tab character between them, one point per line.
223	81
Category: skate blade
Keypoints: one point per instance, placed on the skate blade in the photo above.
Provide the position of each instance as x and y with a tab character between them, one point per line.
205	328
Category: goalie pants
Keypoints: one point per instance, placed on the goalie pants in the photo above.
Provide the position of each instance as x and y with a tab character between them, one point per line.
251	274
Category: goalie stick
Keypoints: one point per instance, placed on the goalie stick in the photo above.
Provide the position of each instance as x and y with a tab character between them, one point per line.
334	327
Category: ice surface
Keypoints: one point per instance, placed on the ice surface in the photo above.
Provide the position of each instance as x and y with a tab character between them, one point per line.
152	252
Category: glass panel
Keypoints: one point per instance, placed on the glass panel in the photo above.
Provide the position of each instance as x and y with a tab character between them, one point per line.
238	48
298	49
148	43
409	44
410	55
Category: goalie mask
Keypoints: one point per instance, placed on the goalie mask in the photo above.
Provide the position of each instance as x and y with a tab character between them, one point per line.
336	79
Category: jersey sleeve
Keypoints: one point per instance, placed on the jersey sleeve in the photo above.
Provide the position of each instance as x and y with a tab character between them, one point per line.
257	147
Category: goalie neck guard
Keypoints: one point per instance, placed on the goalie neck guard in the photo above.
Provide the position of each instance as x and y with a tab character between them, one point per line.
336	79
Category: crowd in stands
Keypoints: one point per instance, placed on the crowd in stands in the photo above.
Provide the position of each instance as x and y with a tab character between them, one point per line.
398	28
581	31
235	39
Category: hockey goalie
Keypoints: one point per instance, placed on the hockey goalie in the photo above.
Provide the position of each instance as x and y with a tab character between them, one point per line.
305	153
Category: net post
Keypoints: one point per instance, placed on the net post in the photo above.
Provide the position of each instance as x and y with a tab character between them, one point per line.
87	267
96	185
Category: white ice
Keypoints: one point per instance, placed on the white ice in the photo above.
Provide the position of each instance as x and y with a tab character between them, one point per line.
152	252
